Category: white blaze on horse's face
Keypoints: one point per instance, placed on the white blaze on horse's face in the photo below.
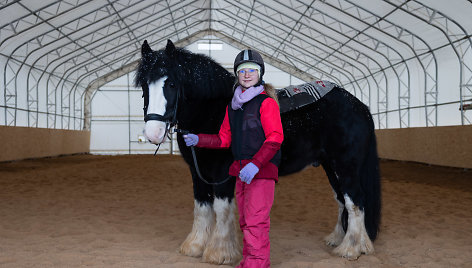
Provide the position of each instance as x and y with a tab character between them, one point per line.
155	130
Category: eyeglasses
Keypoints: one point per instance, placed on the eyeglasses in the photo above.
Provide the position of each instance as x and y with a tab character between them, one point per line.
249	71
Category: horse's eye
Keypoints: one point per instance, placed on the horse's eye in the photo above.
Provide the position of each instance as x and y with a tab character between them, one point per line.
171	84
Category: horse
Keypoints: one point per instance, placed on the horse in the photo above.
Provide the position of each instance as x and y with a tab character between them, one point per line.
337	132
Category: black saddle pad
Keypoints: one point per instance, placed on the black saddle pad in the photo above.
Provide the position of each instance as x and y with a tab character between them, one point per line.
295	97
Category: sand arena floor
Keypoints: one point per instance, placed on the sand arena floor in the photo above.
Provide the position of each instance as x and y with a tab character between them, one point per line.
134	211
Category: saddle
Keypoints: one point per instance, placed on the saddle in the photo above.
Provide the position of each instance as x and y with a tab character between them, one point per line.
298	96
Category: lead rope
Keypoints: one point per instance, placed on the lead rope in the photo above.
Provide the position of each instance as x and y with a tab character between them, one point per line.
200	175
184	132
194	160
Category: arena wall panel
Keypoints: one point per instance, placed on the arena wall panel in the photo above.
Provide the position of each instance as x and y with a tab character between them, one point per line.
444	146
24	142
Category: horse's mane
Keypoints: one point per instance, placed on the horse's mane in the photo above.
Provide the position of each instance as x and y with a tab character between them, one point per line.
199	75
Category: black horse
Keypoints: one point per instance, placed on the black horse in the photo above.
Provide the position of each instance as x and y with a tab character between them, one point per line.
336	131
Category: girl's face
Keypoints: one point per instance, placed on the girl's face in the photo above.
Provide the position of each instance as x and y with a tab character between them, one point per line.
248	77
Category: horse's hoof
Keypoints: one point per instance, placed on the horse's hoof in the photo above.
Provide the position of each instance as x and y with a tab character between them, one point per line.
334	239
222	251
191	249
352	248
351	253
367	247
221	255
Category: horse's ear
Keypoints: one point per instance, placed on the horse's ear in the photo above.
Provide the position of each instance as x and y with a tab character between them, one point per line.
145	49
170	48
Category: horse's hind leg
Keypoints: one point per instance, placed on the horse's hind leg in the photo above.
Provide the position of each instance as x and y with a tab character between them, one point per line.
336	237
203	220
223	246
356	241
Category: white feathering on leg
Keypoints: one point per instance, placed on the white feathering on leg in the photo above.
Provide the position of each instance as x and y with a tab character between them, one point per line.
203	220
336	237
356	241
223	246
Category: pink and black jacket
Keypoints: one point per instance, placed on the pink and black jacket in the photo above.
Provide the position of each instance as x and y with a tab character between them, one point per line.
254	133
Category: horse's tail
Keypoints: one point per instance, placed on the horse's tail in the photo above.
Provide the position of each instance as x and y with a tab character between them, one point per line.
370	177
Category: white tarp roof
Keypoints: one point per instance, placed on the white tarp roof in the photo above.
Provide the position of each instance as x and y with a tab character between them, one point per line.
57	52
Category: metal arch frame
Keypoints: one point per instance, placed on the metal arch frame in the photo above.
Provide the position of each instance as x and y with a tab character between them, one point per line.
405	84
65	24
25	58
32	13
314	43
6	84
89	61
85	75
465	83
374	49
14	107
89	92
288	56
404	96
9	4
101	81
301	51
391	65
93	86
291	69
50	62
67	108
288	68
57	52
82	76
265	44
383	102
73	81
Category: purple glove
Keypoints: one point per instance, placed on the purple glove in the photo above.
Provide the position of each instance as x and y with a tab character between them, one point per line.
248	172
190	139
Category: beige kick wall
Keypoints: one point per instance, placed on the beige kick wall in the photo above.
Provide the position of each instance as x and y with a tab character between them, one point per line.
444	146
23	142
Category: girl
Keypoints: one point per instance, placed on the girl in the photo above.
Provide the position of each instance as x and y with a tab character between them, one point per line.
253	129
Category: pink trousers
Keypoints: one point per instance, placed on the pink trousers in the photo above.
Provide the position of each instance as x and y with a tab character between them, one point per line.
254	204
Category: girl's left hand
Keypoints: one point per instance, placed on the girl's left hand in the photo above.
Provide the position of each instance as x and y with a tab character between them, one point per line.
248	172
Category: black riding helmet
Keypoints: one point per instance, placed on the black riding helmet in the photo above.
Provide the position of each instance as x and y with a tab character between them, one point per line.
249	55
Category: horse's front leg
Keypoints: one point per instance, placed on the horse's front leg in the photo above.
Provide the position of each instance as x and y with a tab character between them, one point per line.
224	246
203	220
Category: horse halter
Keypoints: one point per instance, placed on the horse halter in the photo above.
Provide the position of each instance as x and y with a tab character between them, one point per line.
157	117
169	125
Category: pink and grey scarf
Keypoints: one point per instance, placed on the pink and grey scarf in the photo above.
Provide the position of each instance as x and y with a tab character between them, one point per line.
240	97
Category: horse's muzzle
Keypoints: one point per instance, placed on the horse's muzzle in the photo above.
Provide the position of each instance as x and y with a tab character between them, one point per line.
155	131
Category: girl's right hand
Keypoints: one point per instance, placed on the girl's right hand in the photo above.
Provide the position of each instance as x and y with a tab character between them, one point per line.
190	139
